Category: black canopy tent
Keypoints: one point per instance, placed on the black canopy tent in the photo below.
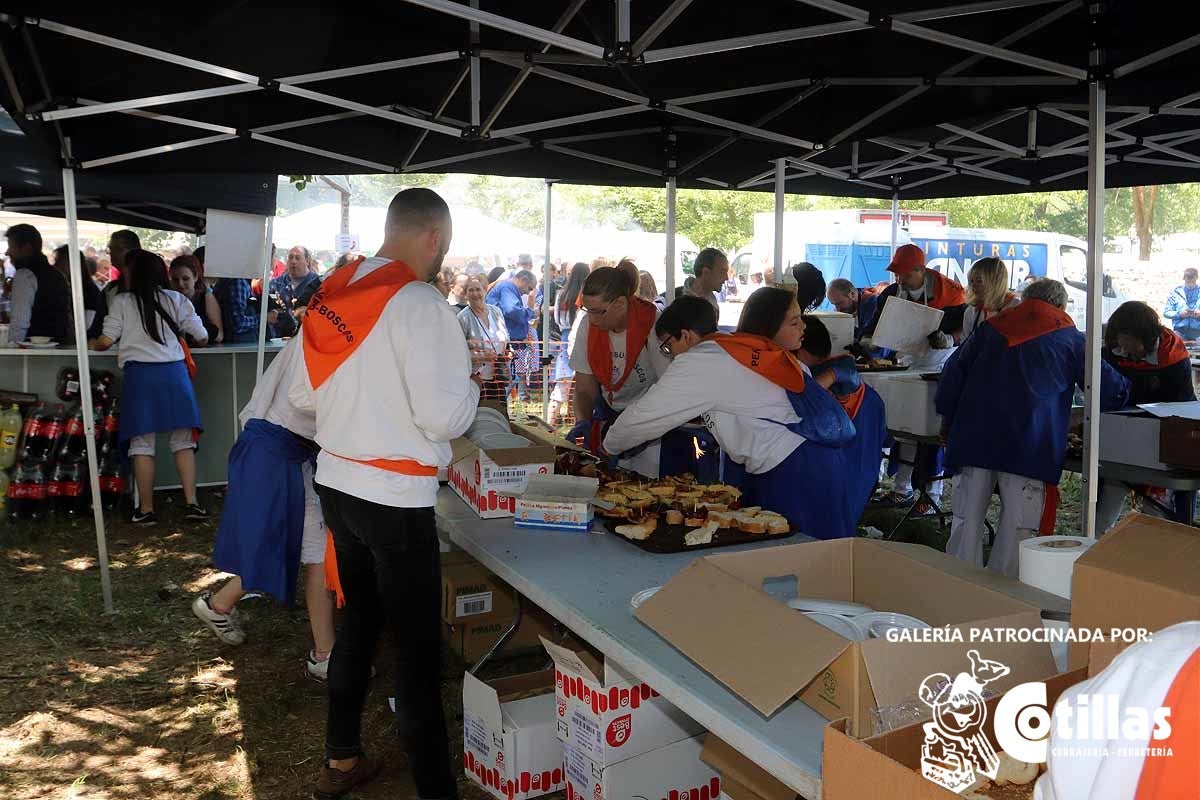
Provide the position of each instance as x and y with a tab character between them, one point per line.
865	99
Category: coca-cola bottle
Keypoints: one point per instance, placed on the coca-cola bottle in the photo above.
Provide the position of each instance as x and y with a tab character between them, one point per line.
31	448
112	483
66	490
67	386
102	387
72	447
109	432
27	496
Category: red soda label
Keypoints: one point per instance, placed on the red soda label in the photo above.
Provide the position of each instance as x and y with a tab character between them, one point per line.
65	489
75	426
32	426
52	429
19	491
111	424
112	483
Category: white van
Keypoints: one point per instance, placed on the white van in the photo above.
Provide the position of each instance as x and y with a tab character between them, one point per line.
952	251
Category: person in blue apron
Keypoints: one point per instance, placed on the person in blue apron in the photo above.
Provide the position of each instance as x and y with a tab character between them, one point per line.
271	523
616	360
785	438
149	321
864	406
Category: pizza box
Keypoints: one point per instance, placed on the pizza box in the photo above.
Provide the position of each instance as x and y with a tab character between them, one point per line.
556	502
794	656
487	479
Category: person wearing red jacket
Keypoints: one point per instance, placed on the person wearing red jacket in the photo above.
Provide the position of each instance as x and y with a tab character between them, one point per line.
1157	364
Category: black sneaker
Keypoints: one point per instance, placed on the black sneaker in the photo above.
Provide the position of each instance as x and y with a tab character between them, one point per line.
195	511
144	518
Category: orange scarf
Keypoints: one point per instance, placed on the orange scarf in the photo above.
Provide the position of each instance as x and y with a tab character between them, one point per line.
762	356
599	344
339	318
1029	320
1171	350
946	293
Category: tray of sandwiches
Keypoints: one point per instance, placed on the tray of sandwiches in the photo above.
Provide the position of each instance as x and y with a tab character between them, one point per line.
676	514
877	365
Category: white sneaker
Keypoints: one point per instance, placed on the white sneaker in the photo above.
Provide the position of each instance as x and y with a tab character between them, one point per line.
318	670
224	626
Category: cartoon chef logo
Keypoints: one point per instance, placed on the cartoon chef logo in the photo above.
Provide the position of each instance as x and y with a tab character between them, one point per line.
955	747
619	730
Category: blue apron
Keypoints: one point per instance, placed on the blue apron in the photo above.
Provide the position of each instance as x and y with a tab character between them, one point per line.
677	453
156	398
866	453
262	523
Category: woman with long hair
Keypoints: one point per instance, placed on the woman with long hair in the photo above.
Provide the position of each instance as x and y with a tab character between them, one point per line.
647	289
487	336
566	312
187	278
987	293
150	320
784	436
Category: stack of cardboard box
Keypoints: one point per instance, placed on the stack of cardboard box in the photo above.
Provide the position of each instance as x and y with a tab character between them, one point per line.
478	607
621	739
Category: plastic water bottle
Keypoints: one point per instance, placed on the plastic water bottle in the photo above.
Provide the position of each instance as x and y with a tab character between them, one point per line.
10	433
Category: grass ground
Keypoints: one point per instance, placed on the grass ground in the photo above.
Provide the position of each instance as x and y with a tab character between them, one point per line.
146	704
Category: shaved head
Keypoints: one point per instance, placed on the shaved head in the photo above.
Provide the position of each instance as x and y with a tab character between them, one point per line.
416	211
418	231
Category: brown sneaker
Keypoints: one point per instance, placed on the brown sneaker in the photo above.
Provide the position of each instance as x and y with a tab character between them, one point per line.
333	783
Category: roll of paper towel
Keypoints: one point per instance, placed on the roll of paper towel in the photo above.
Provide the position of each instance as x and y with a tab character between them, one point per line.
1046	562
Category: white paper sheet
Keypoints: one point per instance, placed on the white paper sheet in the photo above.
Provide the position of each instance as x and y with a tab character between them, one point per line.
905	326
1189	410
235	245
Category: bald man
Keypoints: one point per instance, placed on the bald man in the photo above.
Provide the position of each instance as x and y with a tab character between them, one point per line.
387	370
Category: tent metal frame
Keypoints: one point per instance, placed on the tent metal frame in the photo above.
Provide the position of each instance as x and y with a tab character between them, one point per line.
968	150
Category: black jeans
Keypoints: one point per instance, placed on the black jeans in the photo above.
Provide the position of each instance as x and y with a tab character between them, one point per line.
390	570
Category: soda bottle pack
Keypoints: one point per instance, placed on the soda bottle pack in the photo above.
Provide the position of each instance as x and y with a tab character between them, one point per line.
51	472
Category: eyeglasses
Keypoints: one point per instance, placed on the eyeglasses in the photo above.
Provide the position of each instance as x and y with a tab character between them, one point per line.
665	348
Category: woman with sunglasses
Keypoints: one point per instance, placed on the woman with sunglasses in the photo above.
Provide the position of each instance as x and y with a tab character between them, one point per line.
785	437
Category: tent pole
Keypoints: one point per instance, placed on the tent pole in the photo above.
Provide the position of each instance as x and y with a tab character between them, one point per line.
895	219
669	257
780	166
85	383
264	302
1095	307
546	309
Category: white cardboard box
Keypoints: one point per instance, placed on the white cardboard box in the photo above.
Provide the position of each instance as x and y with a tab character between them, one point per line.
840	327
613	720
673	772
1131	437
510	748
556	502
487	479
909	401
905	326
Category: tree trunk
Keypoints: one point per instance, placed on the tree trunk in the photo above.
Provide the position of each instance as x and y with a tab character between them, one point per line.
1143	218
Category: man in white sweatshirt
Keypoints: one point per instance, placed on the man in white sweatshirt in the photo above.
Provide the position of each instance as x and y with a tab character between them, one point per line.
388	373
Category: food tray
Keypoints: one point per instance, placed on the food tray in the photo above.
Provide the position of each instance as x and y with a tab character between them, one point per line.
892	368
669	538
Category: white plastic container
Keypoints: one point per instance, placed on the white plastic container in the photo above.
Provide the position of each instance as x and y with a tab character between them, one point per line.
910	405
840	327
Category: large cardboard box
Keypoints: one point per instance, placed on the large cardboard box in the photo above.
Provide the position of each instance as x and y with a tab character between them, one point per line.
486	480
509	744
471	593
673	772
611	720
471	639
741	778
1142	574
717	613
889	766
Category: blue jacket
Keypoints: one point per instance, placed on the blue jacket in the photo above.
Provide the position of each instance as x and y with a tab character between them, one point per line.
1006	394
505	296
1189	327
865	313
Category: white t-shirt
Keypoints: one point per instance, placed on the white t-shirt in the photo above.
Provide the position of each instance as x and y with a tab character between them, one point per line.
650	364
270	400
124	326
402	395
741	409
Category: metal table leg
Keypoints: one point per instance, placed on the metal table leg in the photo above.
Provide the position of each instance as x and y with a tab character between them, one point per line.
499	643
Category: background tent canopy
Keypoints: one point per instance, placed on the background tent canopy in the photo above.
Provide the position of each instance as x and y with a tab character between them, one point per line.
31	182
576	92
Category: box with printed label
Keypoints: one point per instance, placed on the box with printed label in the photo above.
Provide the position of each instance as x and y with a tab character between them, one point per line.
509	744
488	479
673	772
556	502
768	653
611	720
471	639
470	592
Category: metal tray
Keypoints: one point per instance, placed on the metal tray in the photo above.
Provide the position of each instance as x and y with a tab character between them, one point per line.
669	538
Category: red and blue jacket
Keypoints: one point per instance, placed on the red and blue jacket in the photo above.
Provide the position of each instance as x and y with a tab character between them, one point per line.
1006	393
1167	381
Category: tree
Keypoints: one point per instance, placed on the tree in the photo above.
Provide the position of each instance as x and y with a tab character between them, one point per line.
1143	217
